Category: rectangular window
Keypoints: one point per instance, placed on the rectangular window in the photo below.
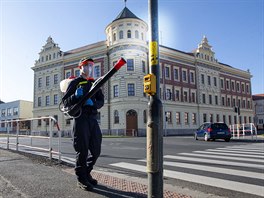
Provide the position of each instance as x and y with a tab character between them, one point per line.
238	87
204	117
209	80
143	66
39	101
217	118
223	101
178	117
131	89
177	95
168	94
204	99
47	81
185	96
9	113
234	102
115	91
210	99
15	111
194	118
247	88
97	72
176	74
230	119
243	87
248	104
55	79
233	85
184	76
222	83
224	118
216	100
227	85
211	117
55	99
67	74
168	117
167	72
244	104
47	100
130	64
202	78
77	73
215	81
193	97
40	82
186	118
192	77
228	102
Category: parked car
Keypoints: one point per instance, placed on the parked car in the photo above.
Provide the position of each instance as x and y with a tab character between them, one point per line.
212	131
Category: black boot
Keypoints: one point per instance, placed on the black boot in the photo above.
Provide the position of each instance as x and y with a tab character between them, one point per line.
85	185
92	180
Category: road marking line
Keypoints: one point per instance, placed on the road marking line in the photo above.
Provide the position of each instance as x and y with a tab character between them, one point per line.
226	171
242	152
229	154
223	157
219	183
221	162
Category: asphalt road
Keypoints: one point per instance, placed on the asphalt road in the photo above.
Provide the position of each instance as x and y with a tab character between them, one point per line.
227	169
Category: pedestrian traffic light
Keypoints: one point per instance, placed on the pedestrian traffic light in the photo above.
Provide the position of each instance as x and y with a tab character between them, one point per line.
150	84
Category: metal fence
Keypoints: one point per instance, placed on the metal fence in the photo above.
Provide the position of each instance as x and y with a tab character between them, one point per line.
243	130
12	134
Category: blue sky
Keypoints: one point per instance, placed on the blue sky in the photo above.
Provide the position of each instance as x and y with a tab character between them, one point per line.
233	27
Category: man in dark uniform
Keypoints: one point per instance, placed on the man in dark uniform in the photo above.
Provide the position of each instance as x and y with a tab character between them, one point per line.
86	131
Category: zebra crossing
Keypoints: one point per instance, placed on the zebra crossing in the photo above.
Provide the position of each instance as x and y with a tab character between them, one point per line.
237	168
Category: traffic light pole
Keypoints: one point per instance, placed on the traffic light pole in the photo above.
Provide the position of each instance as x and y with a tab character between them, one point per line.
155	115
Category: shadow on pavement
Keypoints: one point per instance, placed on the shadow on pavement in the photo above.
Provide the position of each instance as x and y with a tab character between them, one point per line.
113	193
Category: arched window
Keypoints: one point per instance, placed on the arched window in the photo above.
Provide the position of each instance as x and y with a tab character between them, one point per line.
136	34
121	34
128	33
114	37
116	117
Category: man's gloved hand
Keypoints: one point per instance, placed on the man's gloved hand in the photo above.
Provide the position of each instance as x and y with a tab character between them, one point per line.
79	92
89	102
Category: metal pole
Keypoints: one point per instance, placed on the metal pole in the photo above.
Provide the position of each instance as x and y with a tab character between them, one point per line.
17	132
155	113
8	132
50	137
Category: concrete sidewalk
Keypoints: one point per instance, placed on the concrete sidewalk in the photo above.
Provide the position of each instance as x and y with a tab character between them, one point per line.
25	175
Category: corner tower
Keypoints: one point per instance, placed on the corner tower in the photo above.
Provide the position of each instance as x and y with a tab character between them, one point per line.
126	37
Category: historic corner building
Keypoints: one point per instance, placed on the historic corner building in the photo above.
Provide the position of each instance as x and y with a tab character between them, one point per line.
194	86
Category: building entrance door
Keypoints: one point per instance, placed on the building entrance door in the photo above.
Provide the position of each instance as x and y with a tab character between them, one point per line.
131	123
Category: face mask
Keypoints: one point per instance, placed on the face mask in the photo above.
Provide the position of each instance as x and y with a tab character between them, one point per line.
88	70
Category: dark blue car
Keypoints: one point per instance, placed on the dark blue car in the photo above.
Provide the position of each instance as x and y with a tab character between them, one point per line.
212	131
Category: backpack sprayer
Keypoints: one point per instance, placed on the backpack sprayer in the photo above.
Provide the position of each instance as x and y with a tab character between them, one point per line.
73	110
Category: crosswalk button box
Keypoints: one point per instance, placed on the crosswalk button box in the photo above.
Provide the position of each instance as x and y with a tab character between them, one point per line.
150	84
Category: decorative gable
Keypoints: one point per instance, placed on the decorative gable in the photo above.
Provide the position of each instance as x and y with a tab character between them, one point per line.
204	51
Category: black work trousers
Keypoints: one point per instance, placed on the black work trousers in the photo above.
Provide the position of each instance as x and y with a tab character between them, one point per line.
87	138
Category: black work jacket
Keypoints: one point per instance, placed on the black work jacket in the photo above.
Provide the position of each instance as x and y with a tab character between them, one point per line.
70	99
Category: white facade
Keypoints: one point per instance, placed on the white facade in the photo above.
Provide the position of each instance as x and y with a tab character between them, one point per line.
194	86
